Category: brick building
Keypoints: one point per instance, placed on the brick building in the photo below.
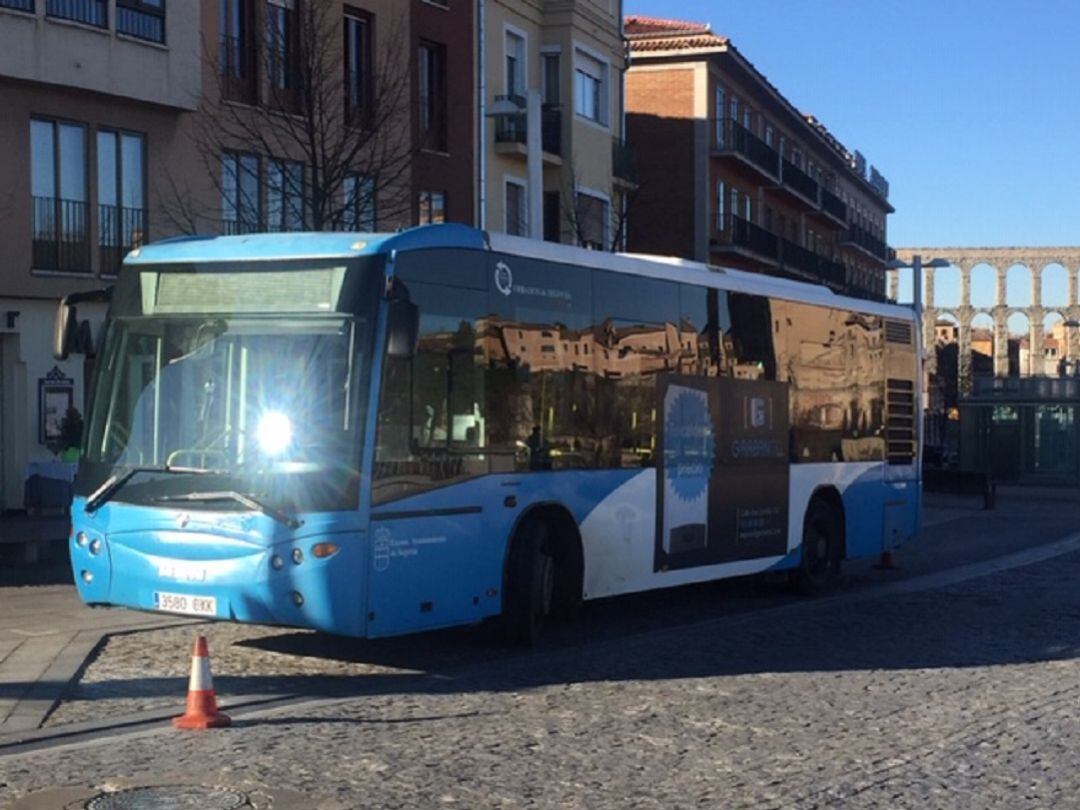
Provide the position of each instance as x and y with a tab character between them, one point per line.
734	175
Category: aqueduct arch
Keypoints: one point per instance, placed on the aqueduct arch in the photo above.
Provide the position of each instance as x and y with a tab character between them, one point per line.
1000	260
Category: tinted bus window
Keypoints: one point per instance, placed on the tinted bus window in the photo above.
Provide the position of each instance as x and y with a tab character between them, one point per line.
432	426
637	339
538	345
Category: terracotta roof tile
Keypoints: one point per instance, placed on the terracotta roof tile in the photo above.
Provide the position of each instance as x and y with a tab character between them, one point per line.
637	25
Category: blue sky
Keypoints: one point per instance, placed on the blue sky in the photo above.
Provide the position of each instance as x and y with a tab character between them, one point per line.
970	108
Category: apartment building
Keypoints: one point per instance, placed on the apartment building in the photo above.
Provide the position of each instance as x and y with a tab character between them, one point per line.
568	57
732	173
126	121
92	94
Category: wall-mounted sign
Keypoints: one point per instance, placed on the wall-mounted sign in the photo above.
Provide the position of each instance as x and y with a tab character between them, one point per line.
56	393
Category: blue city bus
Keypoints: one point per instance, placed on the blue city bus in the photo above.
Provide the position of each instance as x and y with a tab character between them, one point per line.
378	434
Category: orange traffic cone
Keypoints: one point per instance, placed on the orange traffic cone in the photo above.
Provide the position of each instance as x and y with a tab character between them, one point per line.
202	710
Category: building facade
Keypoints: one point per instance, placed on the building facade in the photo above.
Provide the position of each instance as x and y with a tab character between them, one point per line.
569	56
127	121
734	175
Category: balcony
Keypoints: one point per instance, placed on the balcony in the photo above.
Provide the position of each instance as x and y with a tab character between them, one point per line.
90	12
735	142
140	23
623	165
833	208
748	241
859	237
18	5
60	235
119	230
799	186
512	133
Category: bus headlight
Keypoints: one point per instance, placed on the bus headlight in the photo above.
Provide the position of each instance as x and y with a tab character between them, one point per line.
95	546
80	538
276	562
297	556
87	577
274	433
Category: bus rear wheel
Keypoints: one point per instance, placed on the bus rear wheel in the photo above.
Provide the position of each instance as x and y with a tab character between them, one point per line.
530	587
822	550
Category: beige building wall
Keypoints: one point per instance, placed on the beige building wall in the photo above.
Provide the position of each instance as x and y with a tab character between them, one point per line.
582	35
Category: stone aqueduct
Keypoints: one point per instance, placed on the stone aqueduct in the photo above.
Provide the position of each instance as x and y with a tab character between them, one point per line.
1000	260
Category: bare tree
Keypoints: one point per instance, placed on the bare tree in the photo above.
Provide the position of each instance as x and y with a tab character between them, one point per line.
595	223
324	138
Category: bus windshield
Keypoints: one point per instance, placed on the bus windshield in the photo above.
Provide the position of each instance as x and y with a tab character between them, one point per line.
225	387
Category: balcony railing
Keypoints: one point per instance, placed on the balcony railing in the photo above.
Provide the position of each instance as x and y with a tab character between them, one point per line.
140	23
91	12
237	66
60	235
796	257
1033	387
743	233
799	181
232	227
18	5
861	237
833	205
623	165
513	127
119	230
733	138
834	274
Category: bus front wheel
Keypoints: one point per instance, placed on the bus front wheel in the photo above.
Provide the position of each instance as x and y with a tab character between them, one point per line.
530	584
822	549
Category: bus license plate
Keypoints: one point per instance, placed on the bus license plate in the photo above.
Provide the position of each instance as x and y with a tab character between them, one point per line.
185	603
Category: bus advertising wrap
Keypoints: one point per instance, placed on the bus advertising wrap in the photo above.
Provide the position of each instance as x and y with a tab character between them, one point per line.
723	471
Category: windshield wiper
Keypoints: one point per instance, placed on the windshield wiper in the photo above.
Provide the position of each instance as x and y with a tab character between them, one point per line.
250	501
115	482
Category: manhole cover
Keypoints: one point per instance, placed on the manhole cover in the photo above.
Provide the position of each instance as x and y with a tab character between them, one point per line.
170	797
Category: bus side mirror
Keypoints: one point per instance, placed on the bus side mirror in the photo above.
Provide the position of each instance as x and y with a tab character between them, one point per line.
64	329
403	331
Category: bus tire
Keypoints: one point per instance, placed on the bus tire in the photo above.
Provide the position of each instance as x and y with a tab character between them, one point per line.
530	587
822	549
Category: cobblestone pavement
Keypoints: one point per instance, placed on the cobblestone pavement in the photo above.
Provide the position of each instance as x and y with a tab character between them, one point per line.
964	696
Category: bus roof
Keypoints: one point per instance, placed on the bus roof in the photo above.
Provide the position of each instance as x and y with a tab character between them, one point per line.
318	245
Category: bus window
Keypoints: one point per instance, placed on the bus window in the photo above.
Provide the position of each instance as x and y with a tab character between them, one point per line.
638	335
432	410
538	342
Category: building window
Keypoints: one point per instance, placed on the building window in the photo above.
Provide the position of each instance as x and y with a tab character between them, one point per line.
516	209
734	113
748	117
432	96
121	197
516	79
284	195
144	19
357	66
552	77
359	212
721	199
770	135
241	209
590	88
58	189
432	208
592	216
281	51
720	105
236	59
91	12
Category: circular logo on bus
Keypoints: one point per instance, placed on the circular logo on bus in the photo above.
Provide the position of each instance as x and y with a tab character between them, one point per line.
504	279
